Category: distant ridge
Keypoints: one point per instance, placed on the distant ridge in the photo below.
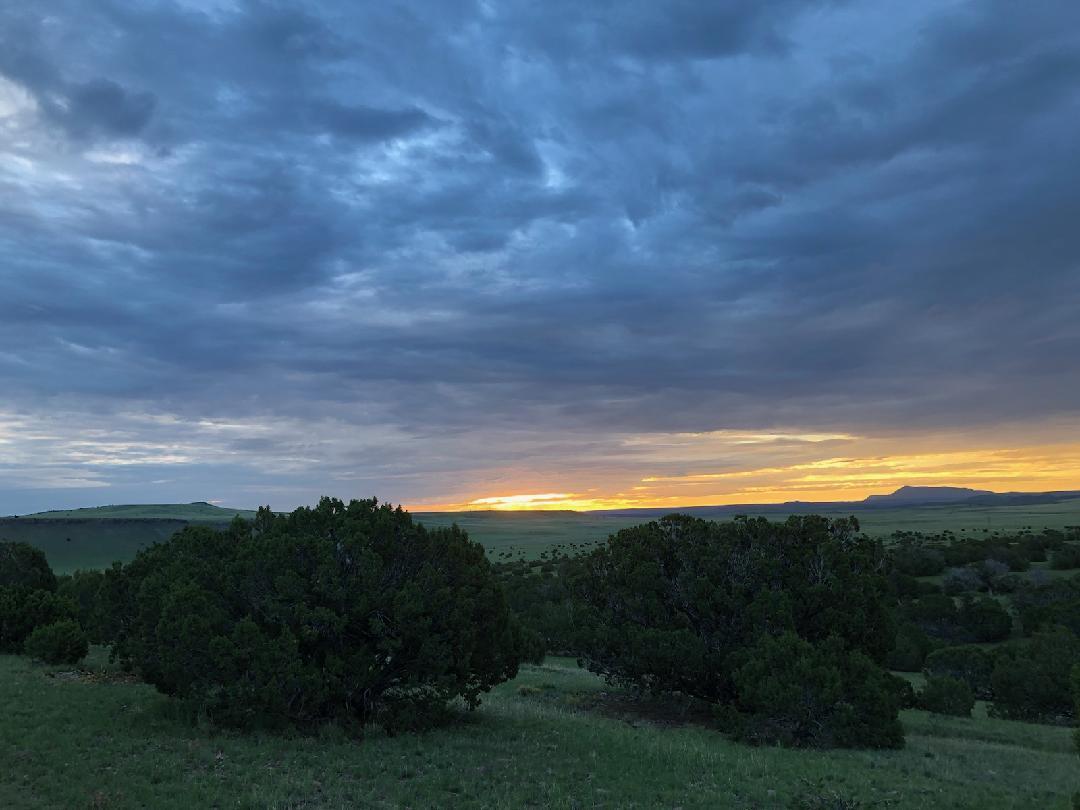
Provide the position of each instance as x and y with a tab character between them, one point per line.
197	512
906	495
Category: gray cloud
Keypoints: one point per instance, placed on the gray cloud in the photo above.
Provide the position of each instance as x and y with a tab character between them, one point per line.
491	224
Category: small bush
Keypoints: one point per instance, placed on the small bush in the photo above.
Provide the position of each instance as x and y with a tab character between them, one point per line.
912	647
969	664
22	610
962	580
23	566
936	615
1013	557
1052	601
917	560
802	695
1010	583
984	619
1076	701
1030	680
1034	548
945	695
84	589
62	642
991	572
1066	557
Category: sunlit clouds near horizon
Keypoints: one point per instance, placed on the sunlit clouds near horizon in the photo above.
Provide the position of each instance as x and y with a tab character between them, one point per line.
473	255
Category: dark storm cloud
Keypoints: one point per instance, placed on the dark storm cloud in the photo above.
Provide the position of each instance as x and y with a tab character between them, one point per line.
441	219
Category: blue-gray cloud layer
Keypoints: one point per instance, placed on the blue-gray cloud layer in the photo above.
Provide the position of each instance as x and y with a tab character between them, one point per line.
508	221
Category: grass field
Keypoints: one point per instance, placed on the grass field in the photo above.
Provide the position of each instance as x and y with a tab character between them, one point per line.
555	737
94	538
525	535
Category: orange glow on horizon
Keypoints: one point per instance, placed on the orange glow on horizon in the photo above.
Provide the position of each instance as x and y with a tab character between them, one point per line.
829	477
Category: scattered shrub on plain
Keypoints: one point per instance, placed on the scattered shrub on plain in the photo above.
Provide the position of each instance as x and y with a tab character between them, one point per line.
348	613
62	642
1076	701
23	566
791	692
1066	557
984	619
912	647
961	580
917	560
22	610
676	606
946	695
1030	680
970	664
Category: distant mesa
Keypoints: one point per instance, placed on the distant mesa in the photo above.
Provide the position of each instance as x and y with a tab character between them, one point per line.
910	495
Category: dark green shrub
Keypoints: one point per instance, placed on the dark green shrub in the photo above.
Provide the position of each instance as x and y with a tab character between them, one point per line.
1066	557
984	619
1008	583
23	566
84	588
917	560
347	613
674	606
970	664
543	602
791	692
992	572
1042	604
945	695
21	610
935	615
964	552
1011	556
62	642
1034	548
904	586
904	690
1030	680
912	647
1076	701
961	580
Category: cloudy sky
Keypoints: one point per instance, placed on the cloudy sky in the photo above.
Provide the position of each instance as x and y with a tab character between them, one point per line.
585	253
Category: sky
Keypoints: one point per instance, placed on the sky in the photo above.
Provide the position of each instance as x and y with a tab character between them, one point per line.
481	254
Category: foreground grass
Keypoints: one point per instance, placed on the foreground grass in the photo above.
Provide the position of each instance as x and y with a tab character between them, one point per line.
70	742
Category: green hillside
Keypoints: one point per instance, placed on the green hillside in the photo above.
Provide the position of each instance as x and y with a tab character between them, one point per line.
198	512
98	536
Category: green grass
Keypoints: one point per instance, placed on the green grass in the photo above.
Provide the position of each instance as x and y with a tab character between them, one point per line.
73	743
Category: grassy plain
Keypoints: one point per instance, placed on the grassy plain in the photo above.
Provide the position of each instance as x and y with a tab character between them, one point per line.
555	737
525	535
94	538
